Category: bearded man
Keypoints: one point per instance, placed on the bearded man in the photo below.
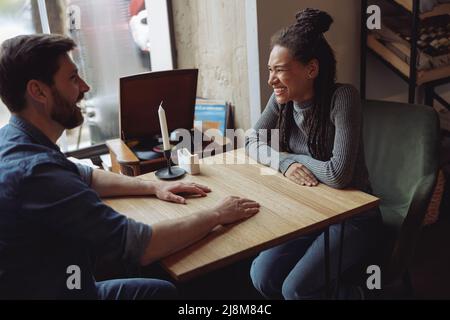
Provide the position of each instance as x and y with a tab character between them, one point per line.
52	219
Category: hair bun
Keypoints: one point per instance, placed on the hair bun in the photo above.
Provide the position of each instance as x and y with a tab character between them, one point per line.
314	20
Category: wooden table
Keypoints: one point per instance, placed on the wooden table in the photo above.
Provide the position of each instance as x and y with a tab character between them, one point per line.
287	211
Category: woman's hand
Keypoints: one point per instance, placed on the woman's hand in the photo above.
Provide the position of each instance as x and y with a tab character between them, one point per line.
232	209
168	191
298	173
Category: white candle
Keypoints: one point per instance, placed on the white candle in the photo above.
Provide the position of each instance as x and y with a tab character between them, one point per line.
163	124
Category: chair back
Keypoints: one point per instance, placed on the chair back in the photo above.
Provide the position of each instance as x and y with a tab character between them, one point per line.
401	144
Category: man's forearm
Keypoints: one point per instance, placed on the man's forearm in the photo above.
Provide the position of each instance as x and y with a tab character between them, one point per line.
172	235
108	184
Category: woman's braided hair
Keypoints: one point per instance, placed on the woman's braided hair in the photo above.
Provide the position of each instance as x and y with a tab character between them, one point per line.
305	41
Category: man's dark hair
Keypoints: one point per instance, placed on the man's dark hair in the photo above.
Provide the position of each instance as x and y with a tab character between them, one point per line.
29	57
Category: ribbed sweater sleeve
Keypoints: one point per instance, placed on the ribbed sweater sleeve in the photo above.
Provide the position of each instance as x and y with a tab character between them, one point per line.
258	142
347	118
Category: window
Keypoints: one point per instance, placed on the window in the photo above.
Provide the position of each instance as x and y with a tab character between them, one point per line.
113	38
15	19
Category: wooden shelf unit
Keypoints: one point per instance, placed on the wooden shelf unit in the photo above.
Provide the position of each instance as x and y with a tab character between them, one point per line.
443	8
423	76
429	79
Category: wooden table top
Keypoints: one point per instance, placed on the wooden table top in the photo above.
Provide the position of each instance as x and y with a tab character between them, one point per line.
287	211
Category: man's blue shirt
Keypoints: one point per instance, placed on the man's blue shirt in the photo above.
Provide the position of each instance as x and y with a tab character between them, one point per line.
51	219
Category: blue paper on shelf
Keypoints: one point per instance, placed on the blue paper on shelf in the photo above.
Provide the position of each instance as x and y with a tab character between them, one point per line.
211	114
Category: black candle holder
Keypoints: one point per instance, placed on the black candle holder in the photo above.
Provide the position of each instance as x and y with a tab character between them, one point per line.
170	172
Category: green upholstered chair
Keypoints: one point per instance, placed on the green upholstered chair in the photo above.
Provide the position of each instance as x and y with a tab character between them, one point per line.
401	144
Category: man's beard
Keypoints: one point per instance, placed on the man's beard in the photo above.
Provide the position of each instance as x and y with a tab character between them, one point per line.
66	114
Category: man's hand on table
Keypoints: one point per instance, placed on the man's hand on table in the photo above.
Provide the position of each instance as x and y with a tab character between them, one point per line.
232	209
228	210
169	191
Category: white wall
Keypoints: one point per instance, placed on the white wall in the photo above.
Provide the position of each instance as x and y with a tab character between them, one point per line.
211	35
4	114
159	32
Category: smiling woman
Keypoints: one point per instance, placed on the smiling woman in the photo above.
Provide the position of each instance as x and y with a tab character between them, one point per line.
290	79
319	129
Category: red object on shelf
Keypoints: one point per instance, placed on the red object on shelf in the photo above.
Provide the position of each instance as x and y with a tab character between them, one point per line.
136	6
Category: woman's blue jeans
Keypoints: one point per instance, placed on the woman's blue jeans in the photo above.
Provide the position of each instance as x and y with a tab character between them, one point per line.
296	269
136	289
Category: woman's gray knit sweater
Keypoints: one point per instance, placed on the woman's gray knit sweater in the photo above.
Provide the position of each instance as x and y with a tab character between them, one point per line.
346	167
